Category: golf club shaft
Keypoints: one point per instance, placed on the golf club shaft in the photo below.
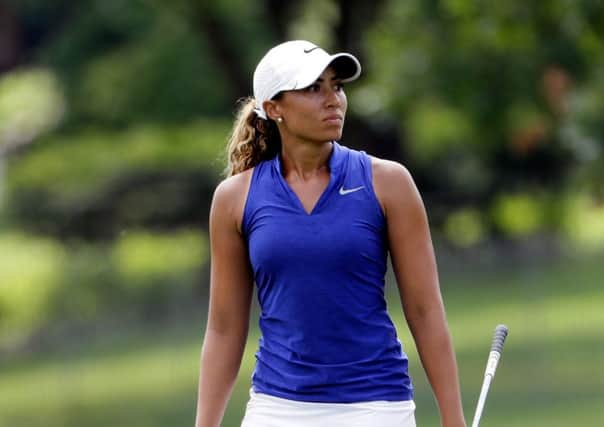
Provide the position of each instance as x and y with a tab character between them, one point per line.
483	397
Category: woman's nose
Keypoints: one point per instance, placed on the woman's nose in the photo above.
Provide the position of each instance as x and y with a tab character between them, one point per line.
333	98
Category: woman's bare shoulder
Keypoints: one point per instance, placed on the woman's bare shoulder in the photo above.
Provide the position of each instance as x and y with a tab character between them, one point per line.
389	170
390	179
234	185
230	196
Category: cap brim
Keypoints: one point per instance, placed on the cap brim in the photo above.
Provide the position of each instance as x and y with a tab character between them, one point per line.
346	66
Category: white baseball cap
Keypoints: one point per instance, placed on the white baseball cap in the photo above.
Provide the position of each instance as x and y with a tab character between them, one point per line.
295	65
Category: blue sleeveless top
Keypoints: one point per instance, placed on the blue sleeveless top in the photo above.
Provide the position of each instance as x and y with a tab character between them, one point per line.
326	334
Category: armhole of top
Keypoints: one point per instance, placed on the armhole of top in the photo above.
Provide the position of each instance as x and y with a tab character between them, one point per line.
244	225
368	170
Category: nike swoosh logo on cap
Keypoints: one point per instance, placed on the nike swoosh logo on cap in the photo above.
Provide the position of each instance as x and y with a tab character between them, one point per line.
344	192
310	50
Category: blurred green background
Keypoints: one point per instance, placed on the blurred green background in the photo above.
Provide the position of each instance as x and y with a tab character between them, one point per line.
113	120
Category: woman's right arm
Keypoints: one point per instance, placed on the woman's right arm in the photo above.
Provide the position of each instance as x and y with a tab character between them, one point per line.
231	288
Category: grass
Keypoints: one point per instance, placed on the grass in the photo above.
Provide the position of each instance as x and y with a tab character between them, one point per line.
548	375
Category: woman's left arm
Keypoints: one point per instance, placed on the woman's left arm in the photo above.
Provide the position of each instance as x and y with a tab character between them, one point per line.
414	265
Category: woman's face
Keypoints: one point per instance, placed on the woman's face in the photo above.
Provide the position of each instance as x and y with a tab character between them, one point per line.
315	113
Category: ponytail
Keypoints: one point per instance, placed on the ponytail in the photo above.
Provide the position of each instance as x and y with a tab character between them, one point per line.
252	139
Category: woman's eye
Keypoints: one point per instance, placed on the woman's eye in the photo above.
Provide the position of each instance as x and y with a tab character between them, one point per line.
316	87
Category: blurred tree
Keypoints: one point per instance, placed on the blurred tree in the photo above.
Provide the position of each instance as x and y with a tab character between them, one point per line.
95	183
26	287
10	39
481	89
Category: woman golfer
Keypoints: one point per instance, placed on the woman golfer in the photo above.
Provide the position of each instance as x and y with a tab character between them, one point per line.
311	223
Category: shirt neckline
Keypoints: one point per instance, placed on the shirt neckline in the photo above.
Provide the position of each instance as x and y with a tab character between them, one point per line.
334	163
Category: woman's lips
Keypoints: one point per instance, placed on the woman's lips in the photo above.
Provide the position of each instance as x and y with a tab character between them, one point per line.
334	119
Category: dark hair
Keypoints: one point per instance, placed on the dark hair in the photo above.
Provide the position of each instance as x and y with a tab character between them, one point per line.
252	139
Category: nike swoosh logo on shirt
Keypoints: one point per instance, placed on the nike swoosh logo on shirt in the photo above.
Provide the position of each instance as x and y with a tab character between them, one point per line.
344	192
310	50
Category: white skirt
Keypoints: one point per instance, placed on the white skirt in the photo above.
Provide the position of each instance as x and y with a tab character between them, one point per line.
269	411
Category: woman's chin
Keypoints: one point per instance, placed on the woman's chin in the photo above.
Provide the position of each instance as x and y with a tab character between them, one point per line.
334	136
326	136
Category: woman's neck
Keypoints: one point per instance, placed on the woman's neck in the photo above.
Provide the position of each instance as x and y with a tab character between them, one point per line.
304	161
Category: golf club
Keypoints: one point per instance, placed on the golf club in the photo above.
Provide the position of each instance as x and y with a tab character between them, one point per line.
501	332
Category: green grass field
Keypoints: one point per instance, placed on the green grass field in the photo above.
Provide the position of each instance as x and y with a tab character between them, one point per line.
549	375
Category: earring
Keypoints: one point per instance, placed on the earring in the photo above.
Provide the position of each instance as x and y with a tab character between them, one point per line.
279	119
